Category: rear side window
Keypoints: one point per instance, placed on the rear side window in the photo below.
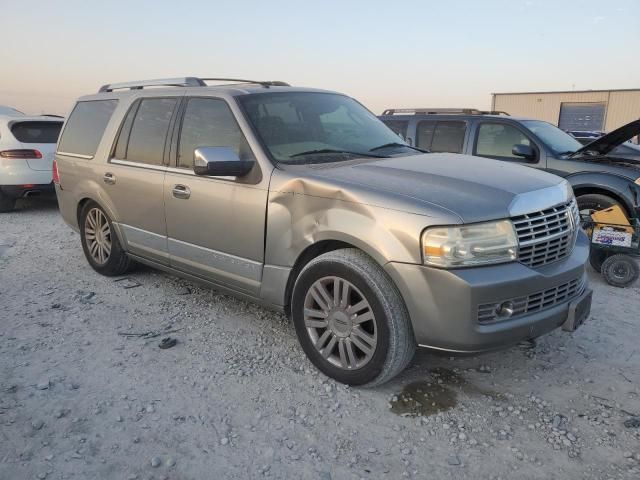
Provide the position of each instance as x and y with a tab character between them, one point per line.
208	122
446	136
149	131
85	127
36	132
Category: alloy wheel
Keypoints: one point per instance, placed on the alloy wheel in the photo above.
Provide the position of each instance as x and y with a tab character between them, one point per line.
98	236
340	323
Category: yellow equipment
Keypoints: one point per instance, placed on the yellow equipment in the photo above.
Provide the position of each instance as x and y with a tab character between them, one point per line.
614	217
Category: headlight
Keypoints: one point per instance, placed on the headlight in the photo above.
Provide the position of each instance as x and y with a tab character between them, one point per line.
638	180
469	245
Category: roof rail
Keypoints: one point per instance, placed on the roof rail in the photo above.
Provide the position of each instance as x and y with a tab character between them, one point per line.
183	82
437	111
264	83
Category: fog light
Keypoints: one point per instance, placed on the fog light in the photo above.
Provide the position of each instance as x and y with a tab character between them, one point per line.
504	310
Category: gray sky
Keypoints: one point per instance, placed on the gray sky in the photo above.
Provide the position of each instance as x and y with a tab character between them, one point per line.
386	54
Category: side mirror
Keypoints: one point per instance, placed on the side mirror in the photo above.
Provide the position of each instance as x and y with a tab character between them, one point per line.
525	151
220	162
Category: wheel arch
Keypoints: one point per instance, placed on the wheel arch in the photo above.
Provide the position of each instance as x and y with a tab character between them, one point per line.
309	253
614	186
84	199
587	190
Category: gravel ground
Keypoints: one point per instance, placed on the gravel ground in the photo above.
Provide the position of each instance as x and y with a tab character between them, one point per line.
236	397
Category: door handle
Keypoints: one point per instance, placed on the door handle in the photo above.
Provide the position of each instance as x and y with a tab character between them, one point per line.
109	178
181	191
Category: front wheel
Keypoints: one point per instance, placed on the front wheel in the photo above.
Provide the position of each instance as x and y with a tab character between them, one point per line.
100	243
351	320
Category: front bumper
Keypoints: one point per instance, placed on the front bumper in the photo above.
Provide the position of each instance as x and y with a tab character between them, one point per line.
443	304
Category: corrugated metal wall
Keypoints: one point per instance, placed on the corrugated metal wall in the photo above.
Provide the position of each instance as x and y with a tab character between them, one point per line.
623	106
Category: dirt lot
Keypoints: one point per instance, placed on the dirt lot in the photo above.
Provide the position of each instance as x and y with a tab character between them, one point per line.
236	398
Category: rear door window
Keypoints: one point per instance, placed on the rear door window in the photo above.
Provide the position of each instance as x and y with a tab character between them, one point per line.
441	136
448	137
36	132
496	140
149	130
424	134
85	127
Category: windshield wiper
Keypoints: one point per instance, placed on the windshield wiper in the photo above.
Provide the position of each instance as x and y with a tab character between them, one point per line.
568	152
397	144
330	150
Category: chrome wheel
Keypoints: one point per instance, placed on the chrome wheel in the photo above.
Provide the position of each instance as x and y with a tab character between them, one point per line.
97	234
340	323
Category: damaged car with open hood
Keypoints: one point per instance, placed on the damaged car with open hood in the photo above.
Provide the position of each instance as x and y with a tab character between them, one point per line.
602	174
611	166
302	200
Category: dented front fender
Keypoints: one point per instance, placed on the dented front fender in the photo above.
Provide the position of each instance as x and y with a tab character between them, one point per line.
304	211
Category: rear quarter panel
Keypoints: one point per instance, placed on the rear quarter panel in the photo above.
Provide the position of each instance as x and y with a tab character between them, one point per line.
81	178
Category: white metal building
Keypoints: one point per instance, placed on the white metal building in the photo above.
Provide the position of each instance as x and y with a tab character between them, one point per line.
595	110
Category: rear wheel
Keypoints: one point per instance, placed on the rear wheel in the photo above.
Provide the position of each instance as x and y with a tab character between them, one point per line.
593	202
100	243
7	204
351	320
620	270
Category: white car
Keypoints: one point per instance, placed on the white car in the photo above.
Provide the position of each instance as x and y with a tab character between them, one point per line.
27	145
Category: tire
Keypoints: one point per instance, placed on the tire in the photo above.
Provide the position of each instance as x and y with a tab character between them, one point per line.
116	262
592	202
7	204
597	257
620	270
386	326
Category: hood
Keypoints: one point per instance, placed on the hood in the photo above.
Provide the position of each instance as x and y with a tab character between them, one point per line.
605	144
473	188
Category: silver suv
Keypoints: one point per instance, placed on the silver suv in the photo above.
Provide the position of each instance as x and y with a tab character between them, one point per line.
304	201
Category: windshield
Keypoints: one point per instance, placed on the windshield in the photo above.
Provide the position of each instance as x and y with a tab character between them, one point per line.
558	141
308	127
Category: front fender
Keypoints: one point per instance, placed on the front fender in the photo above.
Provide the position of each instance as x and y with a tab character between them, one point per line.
297	221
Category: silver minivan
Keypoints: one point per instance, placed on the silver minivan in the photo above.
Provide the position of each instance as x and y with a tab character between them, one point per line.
304	201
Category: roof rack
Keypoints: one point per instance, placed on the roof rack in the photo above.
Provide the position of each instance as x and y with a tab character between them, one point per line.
437	111
184	82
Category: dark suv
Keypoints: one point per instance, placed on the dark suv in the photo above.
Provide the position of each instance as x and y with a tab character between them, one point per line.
599	178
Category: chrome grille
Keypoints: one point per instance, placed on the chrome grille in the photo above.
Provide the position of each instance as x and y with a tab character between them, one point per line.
487	312
548	235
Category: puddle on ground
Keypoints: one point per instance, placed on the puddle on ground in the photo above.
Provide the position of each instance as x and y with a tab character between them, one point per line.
4	249
438	394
